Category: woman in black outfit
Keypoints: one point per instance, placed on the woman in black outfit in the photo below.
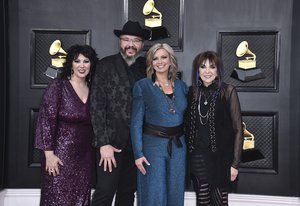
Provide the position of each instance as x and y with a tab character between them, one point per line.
213	131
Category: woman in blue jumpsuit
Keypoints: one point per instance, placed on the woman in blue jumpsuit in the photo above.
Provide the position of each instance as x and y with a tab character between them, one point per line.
159	103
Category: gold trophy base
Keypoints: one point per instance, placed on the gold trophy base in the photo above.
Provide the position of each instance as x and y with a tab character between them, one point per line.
157	33
153	22
247	75
58	62
53	72
249	143
247	64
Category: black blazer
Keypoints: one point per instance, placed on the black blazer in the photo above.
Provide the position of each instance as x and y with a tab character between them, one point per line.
111	99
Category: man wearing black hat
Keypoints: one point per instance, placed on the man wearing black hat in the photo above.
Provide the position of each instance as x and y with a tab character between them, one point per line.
111	99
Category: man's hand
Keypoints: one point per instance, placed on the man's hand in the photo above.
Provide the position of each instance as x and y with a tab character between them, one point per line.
140	164
108	157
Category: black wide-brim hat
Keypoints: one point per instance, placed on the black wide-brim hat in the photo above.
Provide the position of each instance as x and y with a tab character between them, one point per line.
133	28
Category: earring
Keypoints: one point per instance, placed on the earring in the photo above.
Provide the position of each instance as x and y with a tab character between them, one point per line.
89	78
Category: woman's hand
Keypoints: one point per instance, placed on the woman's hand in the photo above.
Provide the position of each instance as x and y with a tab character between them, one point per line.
52	163
140	164
233	174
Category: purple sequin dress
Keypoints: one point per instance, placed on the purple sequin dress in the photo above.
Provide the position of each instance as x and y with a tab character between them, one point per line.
64	126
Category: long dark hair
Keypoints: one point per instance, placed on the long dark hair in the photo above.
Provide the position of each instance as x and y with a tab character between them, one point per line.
73	53
198	61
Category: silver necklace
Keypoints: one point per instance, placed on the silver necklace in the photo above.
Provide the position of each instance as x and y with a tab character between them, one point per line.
206	98
203	118
167	84
210	115
170	100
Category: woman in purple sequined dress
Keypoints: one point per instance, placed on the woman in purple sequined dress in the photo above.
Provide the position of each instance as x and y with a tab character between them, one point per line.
64	132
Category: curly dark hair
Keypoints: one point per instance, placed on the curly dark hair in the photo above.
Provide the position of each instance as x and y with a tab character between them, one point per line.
73	53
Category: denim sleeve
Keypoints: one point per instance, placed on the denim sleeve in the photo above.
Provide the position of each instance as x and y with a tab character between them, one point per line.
137	117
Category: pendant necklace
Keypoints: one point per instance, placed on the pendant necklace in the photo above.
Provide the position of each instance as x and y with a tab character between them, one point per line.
206	98
210	116
203	118
170	100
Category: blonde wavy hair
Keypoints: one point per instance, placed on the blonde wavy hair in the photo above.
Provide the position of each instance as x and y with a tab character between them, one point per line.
172	74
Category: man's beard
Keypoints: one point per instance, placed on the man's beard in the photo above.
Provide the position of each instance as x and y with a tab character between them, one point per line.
130	59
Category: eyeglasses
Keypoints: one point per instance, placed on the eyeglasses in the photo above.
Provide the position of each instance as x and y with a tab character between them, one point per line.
134	41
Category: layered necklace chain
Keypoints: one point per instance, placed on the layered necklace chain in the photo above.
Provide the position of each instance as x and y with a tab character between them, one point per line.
209	116
170	100
204	118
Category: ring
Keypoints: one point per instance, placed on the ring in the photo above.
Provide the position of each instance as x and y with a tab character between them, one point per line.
51	170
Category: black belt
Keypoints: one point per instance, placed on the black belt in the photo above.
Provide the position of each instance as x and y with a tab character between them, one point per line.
171	133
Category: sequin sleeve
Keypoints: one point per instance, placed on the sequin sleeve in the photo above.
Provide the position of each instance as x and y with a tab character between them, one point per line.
137	116
235	112
46	127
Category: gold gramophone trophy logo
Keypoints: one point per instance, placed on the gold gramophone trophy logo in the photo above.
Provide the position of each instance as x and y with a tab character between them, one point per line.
250	153
154	22
249	142
247	69
58	58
